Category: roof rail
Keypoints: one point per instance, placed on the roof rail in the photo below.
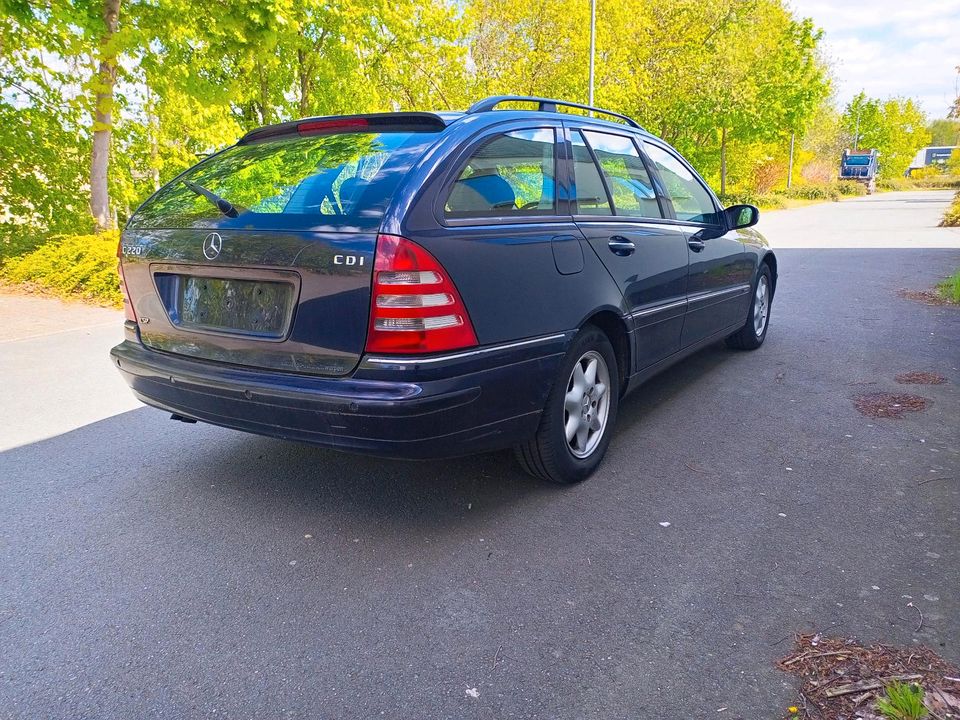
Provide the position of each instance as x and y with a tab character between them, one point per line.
544	105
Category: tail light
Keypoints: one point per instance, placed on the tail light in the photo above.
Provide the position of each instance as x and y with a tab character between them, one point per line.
415	307
128	310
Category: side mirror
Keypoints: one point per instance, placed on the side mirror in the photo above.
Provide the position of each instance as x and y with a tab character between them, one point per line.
741	216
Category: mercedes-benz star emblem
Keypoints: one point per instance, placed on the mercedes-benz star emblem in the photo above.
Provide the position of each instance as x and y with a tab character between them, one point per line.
211	246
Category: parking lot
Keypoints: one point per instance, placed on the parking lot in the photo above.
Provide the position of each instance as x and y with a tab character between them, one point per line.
156	569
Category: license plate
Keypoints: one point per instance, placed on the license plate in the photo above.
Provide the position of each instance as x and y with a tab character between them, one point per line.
241	306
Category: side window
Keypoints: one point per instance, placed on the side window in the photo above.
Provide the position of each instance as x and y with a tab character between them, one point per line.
509	175
691	201
589	193
626	175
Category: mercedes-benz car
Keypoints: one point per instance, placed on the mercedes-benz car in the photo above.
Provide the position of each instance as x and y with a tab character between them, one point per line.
420	285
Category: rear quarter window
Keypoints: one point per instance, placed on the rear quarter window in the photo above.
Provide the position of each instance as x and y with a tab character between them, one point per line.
289	182
510	174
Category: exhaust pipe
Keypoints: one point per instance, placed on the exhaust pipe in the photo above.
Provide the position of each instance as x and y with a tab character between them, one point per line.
183	419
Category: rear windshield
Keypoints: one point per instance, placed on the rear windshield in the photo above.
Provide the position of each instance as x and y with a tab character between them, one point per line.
297	182
858	160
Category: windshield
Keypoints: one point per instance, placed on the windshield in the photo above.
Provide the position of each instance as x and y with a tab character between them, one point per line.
857	160
290	182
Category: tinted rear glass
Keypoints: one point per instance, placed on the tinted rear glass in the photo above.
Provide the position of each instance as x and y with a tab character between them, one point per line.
343	179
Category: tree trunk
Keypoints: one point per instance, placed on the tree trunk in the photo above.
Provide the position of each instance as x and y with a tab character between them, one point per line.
103	119
723	161
305	79
153	126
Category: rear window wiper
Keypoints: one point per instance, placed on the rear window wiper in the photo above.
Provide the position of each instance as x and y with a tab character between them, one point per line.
223	205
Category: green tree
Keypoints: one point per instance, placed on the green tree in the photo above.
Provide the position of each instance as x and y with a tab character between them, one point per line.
44	146
945	132
102	88
701	75
895	127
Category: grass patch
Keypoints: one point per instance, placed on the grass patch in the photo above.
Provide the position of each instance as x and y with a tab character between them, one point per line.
83	266
950	288
904	701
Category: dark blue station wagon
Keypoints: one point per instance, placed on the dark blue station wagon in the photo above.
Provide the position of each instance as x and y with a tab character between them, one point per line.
425	285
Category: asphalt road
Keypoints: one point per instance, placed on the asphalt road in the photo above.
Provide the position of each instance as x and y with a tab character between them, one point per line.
151	569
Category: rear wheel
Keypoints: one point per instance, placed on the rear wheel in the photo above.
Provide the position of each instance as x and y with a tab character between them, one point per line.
579	414
754	330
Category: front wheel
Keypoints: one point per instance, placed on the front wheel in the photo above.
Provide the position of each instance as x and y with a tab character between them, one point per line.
579	414
754	330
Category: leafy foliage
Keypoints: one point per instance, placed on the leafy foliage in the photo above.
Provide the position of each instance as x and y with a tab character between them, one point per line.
814	192
951	218
71	265
726	81
950	288
851	187
903	702
944	132
896	127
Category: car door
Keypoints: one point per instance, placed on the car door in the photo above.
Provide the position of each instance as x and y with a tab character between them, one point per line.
497	219
619	213
720	271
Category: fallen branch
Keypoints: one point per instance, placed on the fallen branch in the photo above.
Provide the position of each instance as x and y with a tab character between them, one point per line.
807	656
869	684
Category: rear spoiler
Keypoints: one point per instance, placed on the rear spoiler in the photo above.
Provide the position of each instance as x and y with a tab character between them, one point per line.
384	122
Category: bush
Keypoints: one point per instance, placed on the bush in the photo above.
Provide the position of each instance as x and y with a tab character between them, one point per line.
814	192
71	265
851	187
767	175
764	201
930	172
16	240
951	218
820	172
940	182
894	183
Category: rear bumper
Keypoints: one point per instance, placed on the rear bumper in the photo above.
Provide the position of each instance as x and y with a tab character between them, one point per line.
440	406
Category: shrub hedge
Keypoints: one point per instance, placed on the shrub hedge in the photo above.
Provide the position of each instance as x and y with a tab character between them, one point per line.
70	265
951	218
813	192
851	187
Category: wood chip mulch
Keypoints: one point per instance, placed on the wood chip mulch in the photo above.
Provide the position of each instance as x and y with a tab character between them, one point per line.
841	679
920	378
888	405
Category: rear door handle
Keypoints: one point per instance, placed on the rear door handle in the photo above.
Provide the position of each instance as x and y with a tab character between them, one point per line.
696	245
621	246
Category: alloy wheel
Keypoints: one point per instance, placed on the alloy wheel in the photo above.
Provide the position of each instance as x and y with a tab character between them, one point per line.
761	306
586	404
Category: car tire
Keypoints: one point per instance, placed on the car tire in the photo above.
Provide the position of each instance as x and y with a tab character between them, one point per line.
576	401
754	330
